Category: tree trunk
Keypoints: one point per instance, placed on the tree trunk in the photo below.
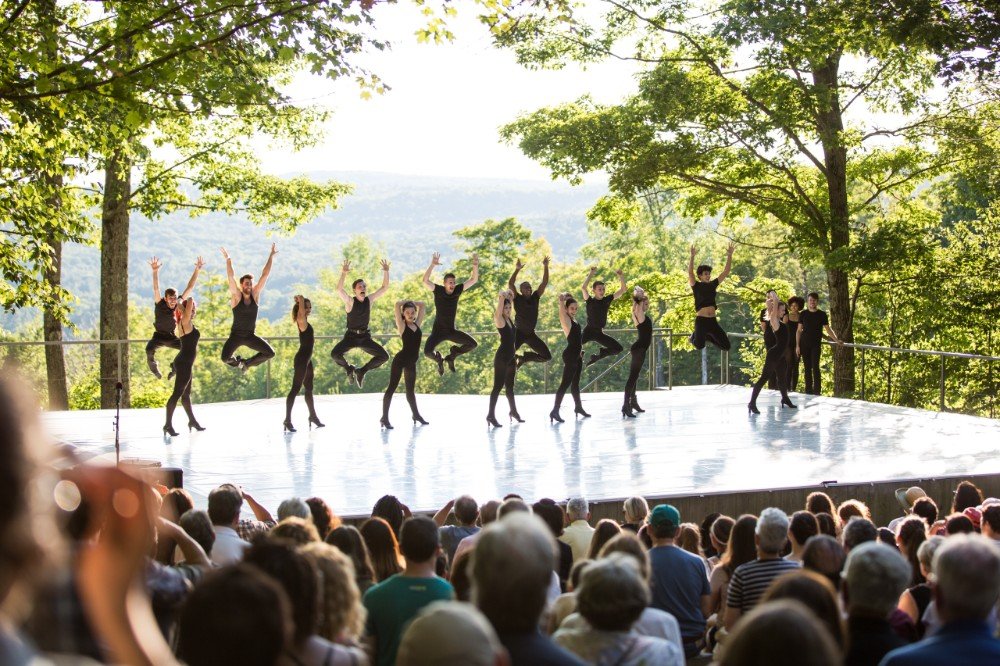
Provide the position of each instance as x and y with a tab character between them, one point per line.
114	277
55	360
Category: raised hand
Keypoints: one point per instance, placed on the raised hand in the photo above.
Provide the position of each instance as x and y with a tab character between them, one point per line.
593	269
731	248
693	251
346	267
155	264
475	260
619	272
274	249
299	298
545	261
518	265
385	265
199	263
225	255
436	259
563	297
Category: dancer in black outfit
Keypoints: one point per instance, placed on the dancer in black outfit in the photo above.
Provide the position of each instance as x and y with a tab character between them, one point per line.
183	366
244	298
706	326
794	321
572	357
644	326
597	316
503	359
809	341
445	308
409	316
303	377
774	361
525	320
164	322
357	335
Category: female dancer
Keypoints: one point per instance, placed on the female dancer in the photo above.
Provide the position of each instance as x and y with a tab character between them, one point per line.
640	305
572	357
409	316
774	362
183	365
303	364
793	319
504	356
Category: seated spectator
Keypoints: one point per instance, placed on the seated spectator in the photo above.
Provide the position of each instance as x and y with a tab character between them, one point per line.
959	523
967	585
912	533
850	508
827	524
555	518
394	602
976	516
915	503
261	523
635	509
781	633
611	598
819	502
742	548
293	507
874	577
751	580
383	549
466	513
916	599
708	550
342	617
824	555
224	504
605	531
323	517
858	531
718	534
295	529
347	539
565	603
461	578
966	495
801	526
392	511
579	532
511	571
487	514
175	503
816	593
450	632
198	526
991	522
888	537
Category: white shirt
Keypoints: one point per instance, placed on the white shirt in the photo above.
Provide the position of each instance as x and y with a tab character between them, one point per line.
228	547
578	536
652	622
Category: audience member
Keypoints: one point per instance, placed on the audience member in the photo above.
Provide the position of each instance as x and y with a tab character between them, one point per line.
959	523
888	537
827	524
751	580
579	532
635	509
348	540
912	533
175	503
850	508
294	507
991	522
708	549
816	593
224	504
781	633
383	549
466	513
487	514
718	535
858	531
342	617
976	516
565	603
451	633
323	517
874	578
605	531
916	599
824	555
801	526
295	529
742	548
966	495
392	511
198	526
555	518
460	577
819	502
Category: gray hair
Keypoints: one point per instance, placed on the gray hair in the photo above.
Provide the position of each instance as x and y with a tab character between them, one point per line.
875	575
636	509
294	507
612	593
967	573
925	553
449	632
577	508
772	530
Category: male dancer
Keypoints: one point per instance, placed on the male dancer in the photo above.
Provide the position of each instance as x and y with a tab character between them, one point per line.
706	326
597	305
809	340
445	308
526	317
357	335
164	323
243	298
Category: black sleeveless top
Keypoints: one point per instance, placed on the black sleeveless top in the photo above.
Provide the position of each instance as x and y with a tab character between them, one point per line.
780	339
574	341
245	316
506	349
189	347
411	344
526	312
446	305
163	318
360	314
306	341
597	311
704	293
645	338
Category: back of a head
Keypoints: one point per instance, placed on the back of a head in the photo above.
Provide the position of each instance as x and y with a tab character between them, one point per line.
819	502
176	503
772	530
488	512
198	526
967	574
511	570
741	548
577	508
824	555
612	593
628	544
298	530
959	523
419	539
927	509
551	513
322	516
449	633
604	531
827	524
781	633
466	510
389	509
296	574
801	526
237	615
224	504
342	613
689	538
875	576
813	590
383	549
636	509
348	540
850	508
966	495
293	507
512	505
858	531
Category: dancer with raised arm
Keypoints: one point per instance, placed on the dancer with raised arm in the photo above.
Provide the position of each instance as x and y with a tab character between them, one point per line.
644	327
445	308
409	316
303	377
809	341
244	297
706	326
774	361
183	367
357	335
504	356
572	357
597	304
164	322
525	320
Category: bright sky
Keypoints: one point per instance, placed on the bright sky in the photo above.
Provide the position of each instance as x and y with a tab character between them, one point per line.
444	109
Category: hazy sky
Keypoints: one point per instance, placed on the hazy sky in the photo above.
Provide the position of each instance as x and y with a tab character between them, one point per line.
446	103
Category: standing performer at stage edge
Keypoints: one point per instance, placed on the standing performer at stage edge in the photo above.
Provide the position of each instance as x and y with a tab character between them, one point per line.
164	322
809	341
503	359
303	377
644	327
706	326
775	361
409	316
445	308
572	357
357	335
244	298
794	321
597	315
183	367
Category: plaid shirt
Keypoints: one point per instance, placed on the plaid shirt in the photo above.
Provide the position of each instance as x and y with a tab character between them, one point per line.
248	529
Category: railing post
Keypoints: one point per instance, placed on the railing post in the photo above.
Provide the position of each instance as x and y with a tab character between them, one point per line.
267	380
942	406
862	373
670	362
651	374
118	353
545	377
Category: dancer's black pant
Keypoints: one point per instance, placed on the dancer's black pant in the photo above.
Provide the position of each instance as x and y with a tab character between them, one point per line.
539	350
572	366
609	346
638	360
160	340
501	367
464	343
237	340
793	370
182	392
776	366
407	369
364	342
707	329
303	379
810	359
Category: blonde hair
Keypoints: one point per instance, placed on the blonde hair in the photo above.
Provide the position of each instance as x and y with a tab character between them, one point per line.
342	616
636	509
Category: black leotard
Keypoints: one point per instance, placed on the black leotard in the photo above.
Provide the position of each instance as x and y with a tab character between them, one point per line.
245	317
574	342
404	364
572	366
183	365
411	344
638	351
303	377
775	364
501	361
360	315
645	335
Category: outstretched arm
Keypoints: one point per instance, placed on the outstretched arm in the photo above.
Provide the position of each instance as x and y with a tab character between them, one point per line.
234	289
435	260
441	517
511	283
691	276
621	284
265	272
545	277
344	296
729	262
378	293
585	287
833	336
474	278
198	265
155	264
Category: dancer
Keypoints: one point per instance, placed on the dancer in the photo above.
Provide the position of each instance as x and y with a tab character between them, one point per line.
526	317
445	308
164	322
357	335
706	326
572	357
644	326
794	321
183	366
809	341
303	377
409	316
504	356
774	361
597	316
244	298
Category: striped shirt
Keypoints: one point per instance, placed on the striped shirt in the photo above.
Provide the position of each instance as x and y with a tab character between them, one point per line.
751	580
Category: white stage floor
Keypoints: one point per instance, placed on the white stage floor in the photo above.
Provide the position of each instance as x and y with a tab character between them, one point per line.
690	440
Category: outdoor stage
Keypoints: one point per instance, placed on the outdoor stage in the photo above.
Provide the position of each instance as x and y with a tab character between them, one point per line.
690	440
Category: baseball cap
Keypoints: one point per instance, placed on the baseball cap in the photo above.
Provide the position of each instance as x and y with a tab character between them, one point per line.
664	513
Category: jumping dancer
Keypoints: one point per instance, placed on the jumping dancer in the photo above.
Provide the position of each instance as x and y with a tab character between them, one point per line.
183	365
572	357
526	317
164	322
597	316
243	298
794	321
504	357
644	326
303	377
357	335
409	316
809	341
445	308
774	361
706	326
